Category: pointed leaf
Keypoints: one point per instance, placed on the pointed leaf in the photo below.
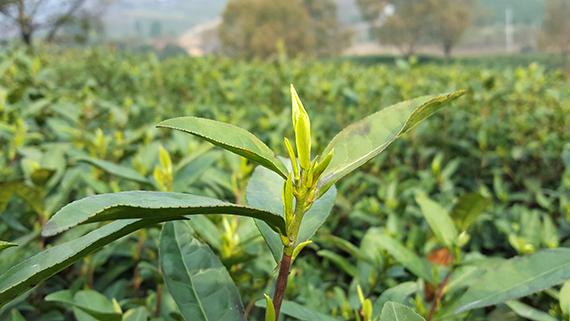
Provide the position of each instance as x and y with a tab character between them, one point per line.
91	302
264	191
195	277
30	272
468	208
229	137
114	169
5	245
418	266
137	314
361	141
398	294
397	312
148	205
299	312
516	278
528	312
438	219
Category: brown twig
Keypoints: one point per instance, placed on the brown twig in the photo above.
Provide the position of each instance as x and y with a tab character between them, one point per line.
438	296
281	284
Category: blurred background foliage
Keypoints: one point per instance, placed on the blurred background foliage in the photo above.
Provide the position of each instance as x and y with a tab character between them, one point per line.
83	82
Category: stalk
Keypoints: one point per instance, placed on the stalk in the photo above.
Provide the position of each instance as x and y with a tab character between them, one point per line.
281	284
285	264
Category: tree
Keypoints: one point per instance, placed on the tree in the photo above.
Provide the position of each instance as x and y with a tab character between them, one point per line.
26	17
254	28
449	20
329	36
407	26
556	27
371	10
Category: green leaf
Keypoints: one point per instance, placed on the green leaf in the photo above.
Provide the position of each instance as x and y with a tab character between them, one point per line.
438	219
148	205
528	312
302	126
468	208
5	245
565	298
339	261
264	191
516	278
361	141
397	312
398	294
229	137
33	196
195	277
136	314
418	266
299	312
114	169
30	272
269	309
91	302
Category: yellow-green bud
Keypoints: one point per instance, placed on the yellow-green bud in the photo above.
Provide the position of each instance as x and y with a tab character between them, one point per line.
293	159
288	199
302	127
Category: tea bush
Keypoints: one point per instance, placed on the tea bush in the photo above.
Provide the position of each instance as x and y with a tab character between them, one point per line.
430	223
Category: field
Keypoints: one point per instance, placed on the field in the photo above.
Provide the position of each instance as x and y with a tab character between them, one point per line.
75	123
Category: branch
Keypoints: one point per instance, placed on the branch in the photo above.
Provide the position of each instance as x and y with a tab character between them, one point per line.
64	18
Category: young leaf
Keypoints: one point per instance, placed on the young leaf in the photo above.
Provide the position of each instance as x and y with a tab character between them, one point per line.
438	220
299	312
398	294
528	312
148	205
269	309
516	278
30	272
565	298
361	141
136	314
264	191
302	126
397	312
468	208
90	302
232	138
5	245
195	277
418	266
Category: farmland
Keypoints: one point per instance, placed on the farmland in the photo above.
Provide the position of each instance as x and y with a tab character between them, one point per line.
75	123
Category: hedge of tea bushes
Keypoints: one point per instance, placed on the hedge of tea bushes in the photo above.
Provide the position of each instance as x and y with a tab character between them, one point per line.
79	122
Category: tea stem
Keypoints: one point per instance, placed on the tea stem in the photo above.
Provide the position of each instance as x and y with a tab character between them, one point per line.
281	285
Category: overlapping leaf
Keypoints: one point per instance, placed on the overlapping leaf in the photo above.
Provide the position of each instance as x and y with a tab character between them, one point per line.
229	137
195	277
517	278
148	205
365	139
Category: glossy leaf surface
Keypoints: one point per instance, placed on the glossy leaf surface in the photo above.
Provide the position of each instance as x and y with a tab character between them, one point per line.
195	277
397	312
361	141
30	272
438	219
516	278
229	137
148	205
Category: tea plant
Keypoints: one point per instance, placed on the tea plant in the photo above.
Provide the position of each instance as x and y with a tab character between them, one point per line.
64	138
211	294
